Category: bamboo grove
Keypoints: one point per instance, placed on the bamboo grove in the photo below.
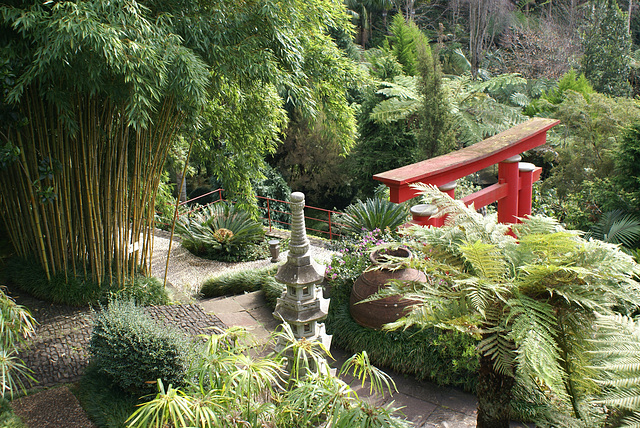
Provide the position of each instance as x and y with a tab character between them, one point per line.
89	145
81	201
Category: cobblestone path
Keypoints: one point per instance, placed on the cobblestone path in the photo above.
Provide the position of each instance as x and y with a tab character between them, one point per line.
59	351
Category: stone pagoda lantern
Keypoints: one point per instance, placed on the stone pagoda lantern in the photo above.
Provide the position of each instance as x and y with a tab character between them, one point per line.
301	304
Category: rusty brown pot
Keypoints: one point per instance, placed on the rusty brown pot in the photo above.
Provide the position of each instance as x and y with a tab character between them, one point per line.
376	313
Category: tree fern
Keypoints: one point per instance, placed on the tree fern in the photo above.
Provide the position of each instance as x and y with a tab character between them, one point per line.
533	300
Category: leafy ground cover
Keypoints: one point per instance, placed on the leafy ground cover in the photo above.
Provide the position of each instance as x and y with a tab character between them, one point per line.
77	290
226	384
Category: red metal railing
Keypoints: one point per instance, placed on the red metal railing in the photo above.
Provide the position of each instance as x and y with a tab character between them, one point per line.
271	213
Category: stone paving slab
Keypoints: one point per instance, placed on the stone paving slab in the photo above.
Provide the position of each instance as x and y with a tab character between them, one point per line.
221	306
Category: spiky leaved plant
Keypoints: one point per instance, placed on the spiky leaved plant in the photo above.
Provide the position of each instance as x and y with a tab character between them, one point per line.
374	213
16	326
229	386
532	298
617	227
221	227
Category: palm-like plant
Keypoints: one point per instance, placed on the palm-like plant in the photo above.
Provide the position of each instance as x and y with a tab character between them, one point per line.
219	227
531	298
16	326
374	213
229	387
617	227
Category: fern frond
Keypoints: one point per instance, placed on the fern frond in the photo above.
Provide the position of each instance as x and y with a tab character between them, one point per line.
484	260
498	347
533	331
536	224
403	87
394	109
519	99
632	421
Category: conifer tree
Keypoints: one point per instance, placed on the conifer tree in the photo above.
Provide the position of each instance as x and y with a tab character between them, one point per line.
607	44
436	135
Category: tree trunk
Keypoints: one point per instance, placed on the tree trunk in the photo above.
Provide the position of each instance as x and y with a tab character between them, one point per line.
629	17
494	396
478	21
182	186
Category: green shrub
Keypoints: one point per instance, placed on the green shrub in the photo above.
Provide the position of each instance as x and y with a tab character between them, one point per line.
144	291
220	232
134	351
29	276
105	403
376	213
8	419
275	187
272	290
233	283
449	359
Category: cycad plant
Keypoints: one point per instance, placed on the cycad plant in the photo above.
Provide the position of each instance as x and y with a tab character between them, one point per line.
617	227
374	213
218	228
531	298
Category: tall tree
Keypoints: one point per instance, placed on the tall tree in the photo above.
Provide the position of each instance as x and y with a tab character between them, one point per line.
478	23
269	59
103	87
436	134
606	43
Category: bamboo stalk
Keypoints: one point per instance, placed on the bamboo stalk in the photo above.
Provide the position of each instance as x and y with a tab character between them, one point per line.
35	215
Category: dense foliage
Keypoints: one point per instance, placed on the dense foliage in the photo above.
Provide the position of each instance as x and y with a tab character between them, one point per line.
229	386
606	44
28	276
220	231
94	108
373	214
134	351
533	298
245	281
16	326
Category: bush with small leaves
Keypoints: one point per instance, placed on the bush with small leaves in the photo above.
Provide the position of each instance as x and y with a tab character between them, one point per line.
134	351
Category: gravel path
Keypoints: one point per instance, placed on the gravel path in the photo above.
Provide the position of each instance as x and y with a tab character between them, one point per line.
187	272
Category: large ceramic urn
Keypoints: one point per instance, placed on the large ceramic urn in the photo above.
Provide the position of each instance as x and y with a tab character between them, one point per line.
376	313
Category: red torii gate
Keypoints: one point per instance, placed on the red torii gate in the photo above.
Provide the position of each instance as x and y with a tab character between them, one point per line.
515	178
